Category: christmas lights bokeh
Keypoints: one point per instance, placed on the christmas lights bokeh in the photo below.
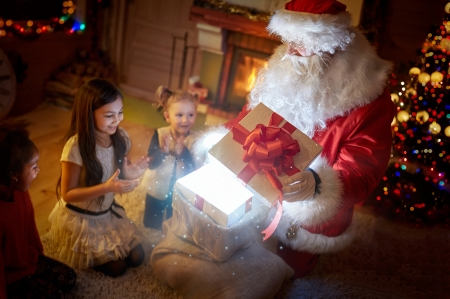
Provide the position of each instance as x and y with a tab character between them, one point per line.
415	186
32	29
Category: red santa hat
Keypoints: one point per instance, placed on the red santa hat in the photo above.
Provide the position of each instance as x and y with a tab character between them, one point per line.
317	25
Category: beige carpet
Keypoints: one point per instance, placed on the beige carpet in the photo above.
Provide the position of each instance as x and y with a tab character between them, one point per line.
387	260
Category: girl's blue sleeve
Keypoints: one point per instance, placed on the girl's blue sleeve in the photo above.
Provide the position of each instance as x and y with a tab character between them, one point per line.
155	152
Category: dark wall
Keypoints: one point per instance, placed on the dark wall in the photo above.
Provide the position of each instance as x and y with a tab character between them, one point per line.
42	57
399	27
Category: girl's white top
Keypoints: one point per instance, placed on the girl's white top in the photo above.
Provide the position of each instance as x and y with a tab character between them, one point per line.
87	240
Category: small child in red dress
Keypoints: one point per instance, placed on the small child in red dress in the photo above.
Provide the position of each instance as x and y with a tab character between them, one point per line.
24	270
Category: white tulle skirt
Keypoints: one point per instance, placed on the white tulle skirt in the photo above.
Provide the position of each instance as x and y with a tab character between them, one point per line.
86	241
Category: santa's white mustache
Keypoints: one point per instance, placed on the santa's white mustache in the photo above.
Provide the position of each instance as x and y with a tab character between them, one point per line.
309	66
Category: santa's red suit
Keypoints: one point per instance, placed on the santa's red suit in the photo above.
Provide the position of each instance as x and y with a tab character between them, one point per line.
345	108
356	150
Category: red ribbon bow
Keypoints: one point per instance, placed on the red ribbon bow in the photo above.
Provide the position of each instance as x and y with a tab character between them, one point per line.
269	149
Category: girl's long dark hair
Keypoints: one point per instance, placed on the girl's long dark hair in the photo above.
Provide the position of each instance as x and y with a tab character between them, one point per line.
16	149
92	95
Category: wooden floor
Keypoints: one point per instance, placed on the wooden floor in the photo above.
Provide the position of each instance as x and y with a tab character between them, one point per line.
48	127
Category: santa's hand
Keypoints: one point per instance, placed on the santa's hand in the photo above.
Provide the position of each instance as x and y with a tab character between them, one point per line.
299	186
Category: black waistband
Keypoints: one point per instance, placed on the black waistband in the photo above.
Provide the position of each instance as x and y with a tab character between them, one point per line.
87	212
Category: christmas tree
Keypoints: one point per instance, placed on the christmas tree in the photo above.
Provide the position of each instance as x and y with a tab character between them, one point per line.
415	186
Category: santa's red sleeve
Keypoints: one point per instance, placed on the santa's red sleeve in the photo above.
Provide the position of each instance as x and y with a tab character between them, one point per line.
356	150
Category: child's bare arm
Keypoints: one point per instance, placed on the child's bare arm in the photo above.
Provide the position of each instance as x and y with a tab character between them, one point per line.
72	192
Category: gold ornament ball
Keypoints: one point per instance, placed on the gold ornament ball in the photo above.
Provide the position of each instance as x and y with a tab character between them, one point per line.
410	92
435	128
447	131
414	71
424	78
437	77
395	98
445	44
447	7
422	116
402	116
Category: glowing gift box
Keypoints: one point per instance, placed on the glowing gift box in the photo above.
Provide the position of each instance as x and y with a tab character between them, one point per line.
214	190
263	150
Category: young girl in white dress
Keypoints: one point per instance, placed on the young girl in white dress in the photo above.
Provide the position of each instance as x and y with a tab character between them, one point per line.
88	226
170	154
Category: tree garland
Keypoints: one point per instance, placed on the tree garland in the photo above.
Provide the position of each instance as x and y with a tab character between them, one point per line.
222	6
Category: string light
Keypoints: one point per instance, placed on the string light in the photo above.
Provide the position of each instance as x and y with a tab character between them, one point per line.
32	29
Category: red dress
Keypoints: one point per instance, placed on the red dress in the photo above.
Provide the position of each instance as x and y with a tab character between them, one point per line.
356	151
19	240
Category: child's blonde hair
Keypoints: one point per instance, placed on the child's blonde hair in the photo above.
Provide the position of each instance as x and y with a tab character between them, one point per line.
166	97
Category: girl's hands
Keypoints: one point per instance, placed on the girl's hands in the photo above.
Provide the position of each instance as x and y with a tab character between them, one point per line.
177	149
166	145
116	185
135	170
179	145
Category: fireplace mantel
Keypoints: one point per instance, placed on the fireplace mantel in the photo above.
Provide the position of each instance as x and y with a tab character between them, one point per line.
232	36
229	22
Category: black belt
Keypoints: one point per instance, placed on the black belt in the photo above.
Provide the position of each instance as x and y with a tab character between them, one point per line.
87	212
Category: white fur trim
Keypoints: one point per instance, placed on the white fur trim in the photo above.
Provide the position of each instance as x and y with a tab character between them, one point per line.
316	243
314	212
323	206
362	75
316	32
204	141
352	79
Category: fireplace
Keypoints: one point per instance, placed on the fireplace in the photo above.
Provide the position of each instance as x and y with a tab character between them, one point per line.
245	55
238	35
243	46
244	68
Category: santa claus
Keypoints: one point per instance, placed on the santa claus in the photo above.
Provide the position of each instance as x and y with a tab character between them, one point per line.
327	80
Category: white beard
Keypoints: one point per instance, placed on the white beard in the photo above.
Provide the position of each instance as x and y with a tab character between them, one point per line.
293	86
309	91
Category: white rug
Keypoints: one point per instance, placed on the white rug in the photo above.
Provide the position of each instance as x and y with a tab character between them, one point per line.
137	282
387	260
